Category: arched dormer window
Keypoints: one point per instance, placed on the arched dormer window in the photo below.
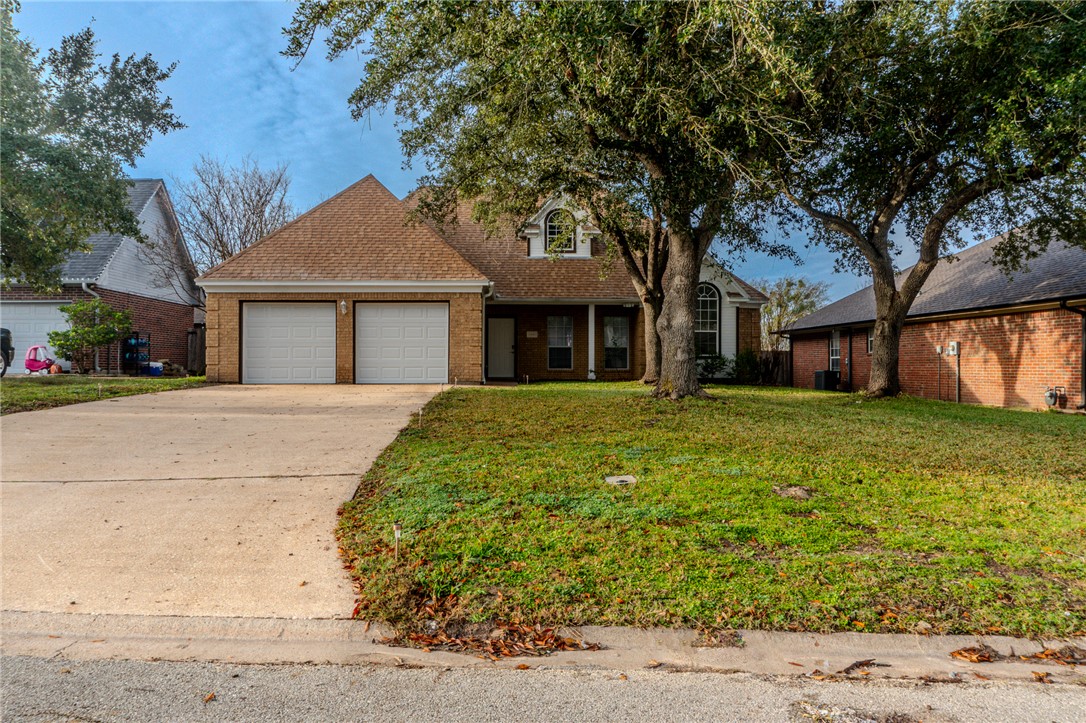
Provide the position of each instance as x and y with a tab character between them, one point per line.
707	322
560	232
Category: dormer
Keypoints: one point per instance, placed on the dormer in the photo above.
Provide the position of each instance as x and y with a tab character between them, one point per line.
560	230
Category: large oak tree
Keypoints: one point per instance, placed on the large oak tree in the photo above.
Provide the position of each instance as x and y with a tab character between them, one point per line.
649	115
935	122
68	126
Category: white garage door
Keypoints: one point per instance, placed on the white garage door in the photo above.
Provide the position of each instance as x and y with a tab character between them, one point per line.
288	343
30	323
401	343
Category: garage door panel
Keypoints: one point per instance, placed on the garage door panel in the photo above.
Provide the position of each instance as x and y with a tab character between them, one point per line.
401	343
289	343
30	323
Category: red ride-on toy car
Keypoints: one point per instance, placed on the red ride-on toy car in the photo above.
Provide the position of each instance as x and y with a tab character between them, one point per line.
37	362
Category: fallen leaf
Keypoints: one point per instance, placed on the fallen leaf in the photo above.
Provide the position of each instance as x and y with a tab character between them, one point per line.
1067	655
859	664
303	583
1041	677
979	654
653	664
524	666
982	677
798	665
622	676
208	698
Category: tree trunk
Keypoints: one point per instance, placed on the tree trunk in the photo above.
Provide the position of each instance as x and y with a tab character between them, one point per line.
651	305
890	311
678	362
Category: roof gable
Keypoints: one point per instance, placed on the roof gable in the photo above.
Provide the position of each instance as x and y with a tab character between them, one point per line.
970	282
360	234
89	266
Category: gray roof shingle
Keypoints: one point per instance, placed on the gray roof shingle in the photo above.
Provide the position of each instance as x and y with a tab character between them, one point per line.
970	283
89	266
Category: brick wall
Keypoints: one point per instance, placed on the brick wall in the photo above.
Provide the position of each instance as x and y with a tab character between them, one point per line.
167	323
532	355
1006	360
224	332
750	329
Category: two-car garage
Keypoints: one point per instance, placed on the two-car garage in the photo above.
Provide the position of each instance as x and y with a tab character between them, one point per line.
296	342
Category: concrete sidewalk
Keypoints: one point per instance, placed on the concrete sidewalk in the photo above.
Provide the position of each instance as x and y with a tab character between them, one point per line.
203	502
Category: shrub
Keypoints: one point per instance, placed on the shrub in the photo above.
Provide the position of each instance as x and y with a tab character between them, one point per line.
93	325
715	366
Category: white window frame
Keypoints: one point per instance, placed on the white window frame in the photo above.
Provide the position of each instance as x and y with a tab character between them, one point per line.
551	230
835	346
625	321
707	316
568	340
871	340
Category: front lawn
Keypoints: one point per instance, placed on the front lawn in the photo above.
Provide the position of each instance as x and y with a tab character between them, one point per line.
964	519
27	393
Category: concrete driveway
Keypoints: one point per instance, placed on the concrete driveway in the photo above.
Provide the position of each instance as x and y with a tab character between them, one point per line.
217	501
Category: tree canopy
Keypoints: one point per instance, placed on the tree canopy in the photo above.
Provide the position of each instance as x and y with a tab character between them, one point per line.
935	122
68	127
790	299
648	115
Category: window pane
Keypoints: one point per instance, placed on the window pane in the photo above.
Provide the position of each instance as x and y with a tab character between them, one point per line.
835	351
707	321
558	358
616	342
560	231
560	331
705	343
560	342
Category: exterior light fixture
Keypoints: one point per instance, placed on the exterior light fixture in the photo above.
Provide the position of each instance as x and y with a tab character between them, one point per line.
343	307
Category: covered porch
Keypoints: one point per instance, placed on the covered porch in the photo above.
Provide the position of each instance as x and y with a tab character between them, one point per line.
570	341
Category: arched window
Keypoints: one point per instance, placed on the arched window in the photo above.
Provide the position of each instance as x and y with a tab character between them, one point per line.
561	232
707	322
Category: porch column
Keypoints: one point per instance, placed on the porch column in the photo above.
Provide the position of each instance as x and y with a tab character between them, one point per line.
591	341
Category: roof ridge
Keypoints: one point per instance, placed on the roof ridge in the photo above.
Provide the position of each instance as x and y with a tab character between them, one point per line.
294	221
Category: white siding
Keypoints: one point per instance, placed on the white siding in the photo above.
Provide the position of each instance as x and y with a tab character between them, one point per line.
129	272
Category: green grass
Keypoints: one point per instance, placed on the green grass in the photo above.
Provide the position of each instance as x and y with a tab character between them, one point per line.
966	519
27	393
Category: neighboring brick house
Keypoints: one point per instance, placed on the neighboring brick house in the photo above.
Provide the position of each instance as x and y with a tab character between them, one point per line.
351	292
116	270
1016	336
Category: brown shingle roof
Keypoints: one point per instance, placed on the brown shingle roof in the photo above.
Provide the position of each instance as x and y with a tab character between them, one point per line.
359	234
504	259
972	282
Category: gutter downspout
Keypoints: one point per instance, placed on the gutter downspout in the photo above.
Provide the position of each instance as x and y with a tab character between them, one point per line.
488	294
1082	377
87	289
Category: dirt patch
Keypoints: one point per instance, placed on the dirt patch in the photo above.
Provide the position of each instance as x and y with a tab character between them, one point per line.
795	492
720	639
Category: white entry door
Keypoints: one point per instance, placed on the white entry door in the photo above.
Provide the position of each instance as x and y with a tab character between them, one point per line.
288	343
500	348
30	323
401	343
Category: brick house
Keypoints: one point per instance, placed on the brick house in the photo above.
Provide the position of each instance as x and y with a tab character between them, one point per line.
351	292
1015	337
116	270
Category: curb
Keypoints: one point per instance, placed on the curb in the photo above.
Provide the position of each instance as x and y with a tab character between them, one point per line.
350	642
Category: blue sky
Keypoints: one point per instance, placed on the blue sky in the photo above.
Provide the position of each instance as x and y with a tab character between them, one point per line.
239	97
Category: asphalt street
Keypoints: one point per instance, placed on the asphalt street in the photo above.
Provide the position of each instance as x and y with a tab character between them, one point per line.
36	689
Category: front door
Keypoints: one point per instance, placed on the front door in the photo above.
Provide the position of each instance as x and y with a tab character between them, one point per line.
501	348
